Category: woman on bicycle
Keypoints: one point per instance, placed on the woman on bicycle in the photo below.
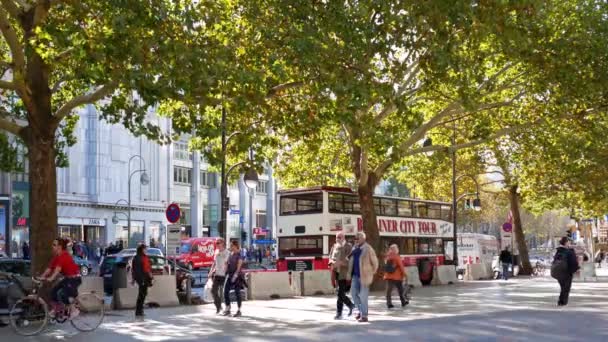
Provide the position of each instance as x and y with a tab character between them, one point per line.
63	264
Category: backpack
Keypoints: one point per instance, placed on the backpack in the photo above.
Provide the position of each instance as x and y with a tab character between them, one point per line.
559	267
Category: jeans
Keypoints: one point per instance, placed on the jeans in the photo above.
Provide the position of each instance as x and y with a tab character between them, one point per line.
66	289
237	291
359	292
141	298
389	289
505	271
342	297
218	281
565	284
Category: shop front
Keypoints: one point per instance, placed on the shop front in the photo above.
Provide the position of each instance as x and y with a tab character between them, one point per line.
70	227
19	217
122	233
94	230
4	225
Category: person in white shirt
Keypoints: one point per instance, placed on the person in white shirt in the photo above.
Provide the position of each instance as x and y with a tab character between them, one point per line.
218	272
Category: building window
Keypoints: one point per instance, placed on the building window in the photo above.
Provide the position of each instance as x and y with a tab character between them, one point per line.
260	218
262	187
208	179
180	151
182	175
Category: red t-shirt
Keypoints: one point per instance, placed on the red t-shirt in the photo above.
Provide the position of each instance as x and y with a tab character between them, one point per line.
66	263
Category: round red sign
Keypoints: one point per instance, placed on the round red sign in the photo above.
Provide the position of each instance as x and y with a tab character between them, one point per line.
507	227
173	213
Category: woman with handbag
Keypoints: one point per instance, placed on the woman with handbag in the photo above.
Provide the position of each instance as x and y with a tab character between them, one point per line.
234	279
394	274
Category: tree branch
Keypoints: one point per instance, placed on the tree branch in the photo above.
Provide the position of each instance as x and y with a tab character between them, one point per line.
10	126
274	91
11	8
77	101
388	110
13	41
492	78
8	85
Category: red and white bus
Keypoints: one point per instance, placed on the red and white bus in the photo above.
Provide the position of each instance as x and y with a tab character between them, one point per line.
308	220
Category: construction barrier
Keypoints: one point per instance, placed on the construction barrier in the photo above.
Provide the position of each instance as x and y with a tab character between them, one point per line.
444	274
413	278
163	293
270	285
475	272
92	285
317	283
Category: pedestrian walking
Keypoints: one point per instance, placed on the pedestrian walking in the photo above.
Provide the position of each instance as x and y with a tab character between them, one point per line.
338	262
142	275
234	279
600	258
563	268
218	272
394	274
506	258
362	266
26	251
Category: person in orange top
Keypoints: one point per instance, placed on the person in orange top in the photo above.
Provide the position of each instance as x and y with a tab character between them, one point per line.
394	274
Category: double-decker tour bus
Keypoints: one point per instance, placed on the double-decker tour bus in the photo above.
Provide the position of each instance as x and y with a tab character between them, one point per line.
308	220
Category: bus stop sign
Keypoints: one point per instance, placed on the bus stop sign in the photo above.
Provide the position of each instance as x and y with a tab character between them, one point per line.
173	213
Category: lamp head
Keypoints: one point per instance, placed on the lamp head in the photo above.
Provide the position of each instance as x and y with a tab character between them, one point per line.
477	204
144	179
251	178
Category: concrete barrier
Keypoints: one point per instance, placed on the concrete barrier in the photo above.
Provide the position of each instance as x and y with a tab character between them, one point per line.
270	285
163	293
586	273
475	272
92	285
317	283
413	278
444	274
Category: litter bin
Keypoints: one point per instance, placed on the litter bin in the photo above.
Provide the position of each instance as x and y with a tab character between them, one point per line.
119	276
425	269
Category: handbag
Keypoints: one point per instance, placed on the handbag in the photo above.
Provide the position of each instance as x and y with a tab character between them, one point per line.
389	267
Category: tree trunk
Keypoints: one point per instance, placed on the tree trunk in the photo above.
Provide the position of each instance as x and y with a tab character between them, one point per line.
43	199
368	215
519	232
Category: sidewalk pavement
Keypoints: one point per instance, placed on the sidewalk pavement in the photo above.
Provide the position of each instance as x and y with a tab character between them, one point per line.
515	310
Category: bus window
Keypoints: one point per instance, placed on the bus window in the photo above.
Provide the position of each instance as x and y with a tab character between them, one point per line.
420	210
434	211
446	212
404	208
336	203
389	206
411	246
388	241
308	203
436	246
351	204
300	246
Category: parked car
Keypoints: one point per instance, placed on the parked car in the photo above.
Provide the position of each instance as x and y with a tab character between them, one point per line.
132	251
159	264
85	266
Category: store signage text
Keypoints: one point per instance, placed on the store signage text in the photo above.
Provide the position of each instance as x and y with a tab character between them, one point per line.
22	221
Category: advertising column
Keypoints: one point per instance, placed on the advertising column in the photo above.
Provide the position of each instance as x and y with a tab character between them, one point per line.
4	205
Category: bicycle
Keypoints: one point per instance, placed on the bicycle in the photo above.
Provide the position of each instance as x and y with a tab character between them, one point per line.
30	315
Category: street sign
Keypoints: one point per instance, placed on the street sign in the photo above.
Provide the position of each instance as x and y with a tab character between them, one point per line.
242	219
173	213
265	242
234	211
507	227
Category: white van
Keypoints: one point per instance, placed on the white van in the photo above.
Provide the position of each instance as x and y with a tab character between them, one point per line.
475	249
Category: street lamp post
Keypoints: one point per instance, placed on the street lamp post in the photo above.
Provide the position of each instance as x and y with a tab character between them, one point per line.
250	177
476	201
144	179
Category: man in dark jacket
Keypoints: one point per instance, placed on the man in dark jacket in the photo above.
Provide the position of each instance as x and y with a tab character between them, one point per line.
142	275
564	252
506	259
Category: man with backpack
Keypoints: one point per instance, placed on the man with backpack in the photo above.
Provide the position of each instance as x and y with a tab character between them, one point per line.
506	259
563	268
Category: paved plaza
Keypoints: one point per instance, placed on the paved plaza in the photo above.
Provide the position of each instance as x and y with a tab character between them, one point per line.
516	310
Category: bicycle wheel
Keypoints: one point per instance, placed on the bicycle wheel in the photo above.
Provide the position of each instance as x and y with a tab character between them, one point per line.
29	316
91	310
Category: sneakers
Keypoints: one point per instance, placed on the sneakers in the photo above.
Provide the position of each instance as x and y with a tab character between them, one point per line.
358	317
338	317
237	314
350	310
362	320
390	306
226	313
